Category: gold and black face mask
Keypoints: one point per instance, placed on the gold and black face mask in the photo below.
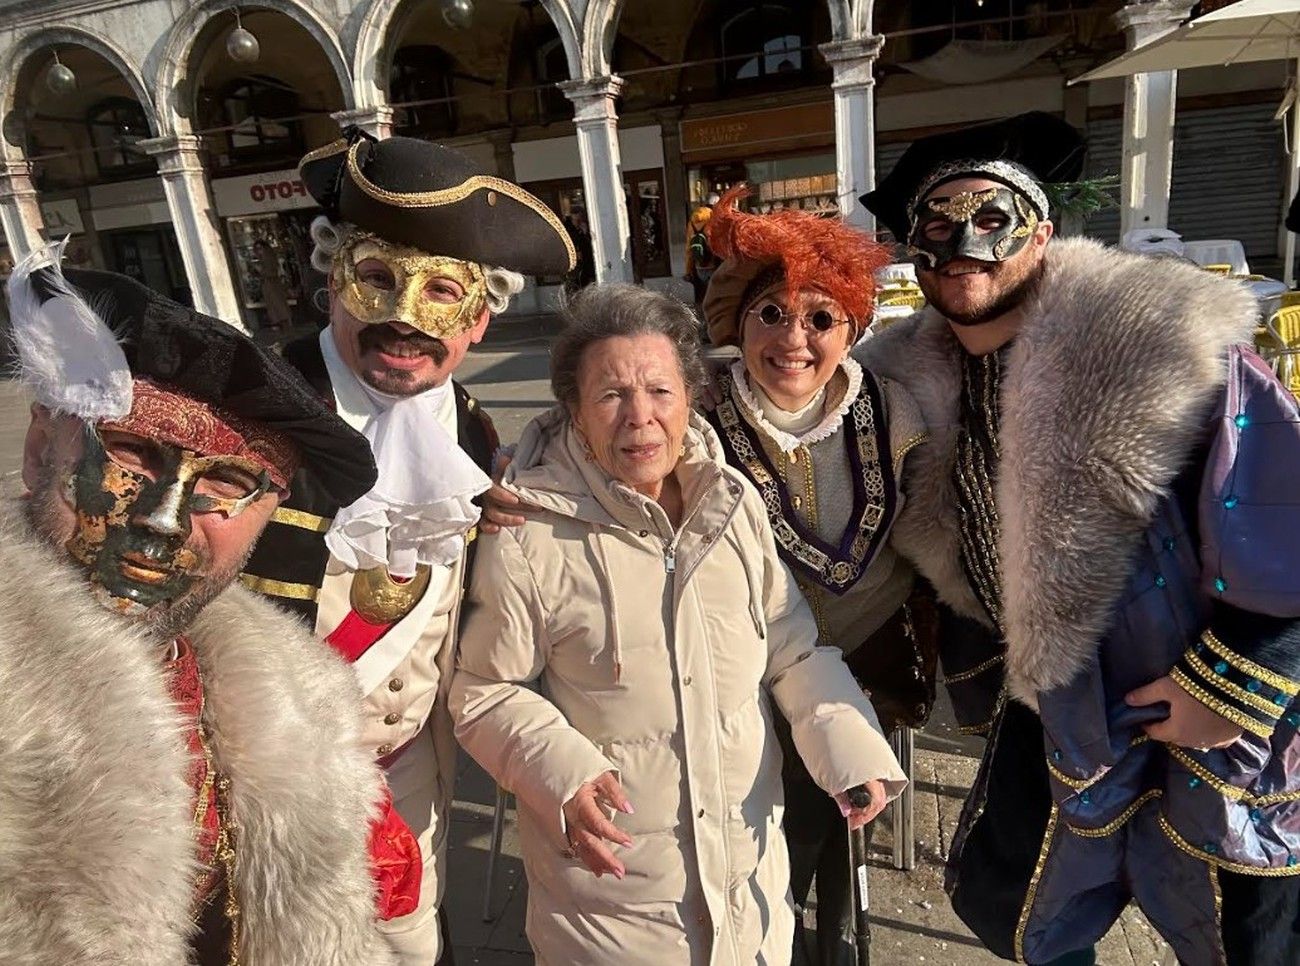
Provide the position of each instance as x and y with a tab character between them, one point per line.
987	226
405	298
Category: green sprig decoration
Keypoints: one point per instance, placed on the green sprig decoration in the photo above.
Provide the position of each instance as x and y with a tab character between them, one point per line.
1082	198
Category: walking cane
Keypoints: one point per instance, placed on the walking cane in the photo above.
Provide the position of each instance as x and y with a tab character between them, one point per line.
859	797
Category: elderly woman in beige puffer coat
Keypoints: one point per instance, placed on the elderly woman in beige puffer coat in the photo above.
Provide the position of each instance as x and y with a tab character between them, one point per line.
645	599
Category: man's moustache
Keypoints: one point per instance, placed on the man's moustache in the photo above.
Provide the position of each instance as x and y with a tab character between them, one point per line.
382	336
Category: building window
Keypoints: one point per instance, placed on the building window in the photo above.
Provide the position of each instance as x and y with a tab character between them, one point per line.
764	42
116	125
261	120
552	67
423	84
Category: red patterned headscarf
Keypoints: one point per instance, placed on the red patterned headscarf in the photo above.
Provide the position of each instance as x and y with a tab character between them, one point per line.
180	420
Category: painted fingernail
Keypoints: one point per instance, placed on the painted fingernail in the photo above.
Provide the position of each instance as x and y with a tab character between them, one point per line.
628	809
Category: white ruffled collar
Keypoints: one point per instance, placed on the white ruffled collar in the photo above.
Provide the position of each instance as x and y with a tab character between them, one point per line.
825	428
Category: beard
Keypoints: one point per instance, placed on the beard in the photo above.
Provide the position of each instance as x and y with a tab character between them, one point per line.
397	382
1017	281
47	512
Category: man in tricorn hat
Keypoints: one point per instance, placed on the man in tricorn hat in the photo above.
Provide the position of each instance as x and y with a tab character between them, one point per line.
421	249
180	774
1110	514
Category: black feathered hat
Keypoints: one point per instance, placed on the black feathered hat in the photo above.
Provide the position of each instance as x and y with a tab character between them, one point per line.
204	358
430	197
1047	148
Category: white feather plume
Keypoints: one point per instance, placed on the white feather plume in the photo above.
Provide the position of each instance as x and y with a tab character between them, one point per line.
68	356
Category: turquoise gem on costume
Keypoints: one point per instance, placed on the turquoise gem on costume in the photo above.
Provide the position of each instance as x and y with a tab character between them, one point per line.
1085	797
1292	861
1293	719
1252	686
1211	848
1256	815
1242	420
1221	667
1220	584
1230	503
1280	700
1056	755
1193	782
1170	543
1160	580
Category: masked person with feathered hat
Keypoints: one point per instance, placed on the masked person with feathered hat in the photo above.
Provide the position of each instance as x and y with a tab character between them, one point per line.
824	441
421	249
1107	507
181	779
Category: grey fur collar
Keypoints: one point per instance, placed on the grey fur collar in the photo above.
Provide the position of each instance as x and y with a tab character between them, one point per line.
1106	390
95	813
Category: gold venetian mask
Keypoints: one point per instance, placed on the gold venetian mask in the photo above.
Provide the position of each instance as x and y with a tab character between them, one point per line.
404	295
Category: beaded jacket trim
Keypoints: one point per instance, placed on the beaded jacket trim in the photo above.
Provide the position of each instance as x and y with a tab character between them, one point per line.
875	493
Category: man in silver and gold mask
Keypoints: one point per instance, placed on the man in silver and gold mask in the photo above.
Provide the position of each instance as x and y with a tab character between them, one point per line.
421	250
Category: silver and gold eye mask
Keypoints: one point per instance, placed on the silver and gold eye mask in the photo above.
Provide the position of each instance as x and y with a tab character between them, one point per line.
407	298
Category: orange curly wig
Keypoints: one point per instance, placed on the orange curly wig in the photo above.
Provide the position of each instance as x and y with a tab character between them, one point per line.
816	253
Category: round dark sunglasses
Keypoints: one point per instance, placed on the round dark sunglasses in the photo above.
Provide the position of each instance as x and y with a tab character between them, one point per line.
821	320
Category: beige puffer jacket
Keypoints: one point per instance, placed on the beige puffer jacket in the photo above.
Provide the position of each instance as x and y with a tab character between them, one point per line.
655	653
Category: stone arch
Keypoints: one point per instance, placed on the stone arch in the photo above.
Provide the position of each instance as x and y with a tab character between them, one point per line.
851	19
52	36
598	30
172	82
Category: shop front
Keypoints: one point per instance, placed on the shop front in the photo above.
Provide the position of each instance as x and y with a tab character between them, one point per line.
785	154
267	219
136	238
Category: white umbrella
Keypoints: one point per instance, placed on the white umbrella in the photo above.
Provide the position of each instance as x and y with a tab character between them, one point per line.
1242	32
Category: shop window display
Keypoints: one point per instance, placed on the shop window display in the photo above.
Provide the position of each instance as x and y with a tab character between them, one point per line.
278	288
803	182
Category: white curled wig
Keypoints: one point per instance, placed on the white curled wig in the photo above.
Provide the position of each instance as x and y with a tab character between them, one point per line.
328	236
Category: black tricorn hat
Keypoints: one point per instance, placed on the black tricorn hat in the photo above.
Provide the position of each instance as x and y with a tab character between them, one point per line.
430	197
203	357
1050	149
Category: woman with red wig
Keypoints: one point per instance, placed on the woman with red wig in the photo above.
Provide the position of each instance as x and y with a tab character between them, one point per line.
823	440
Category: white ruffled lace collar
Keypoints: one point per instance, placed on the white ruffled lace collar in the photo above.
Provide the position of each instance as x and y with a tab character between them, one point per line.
825	428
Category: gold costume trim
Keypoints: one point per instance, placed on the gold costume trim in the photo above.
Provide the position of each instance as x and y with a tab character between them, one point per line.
1078	784
1224	788
1218	910
975	671
449	196
1114	824
1222	708
964	204
300	518
909	444
329	150
1032	891
1231	688
1271	872
279	588
1247	666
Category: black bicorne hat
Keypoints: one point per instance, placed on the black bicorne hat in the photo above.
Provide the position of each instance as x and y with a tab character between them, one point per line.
1044	145
205	358
430	197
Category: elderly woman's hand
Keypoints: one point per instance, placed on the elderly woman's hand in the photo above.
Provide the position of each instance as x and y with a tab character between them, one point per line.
499	504
859	817
588	828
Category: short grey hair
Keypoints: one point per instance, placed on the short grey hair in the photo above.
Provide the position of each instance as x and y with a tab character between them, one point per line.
328	237
602	312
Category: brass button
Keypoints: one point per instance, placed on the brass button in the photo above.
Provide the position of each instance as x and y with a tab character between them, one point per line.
687	680
492	198
794	457
396	684
385	749
797	501
392	718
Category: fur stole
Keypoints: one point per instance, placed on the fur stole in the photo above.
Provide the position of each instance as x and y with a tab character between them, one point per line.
96	841
1106	391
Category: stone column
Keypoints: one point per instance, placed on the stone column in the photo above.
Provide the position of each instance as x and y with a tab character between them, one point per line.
502	142
375	121
1150	101
20	209
602	178
675	200
189	196
853	63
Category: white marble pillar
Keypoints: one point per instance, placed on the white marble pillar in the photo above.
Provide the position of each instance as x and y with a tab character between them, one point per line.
602	178
853	63
1150	101
20	209
375	121
198	232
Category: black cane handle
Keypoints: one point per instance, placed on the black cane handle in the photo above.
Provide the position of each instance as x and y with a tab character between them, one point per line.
860	797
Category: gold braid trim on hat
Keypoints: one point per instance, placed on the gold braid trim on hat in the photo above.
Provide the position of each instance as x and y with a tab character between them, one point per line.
449	196
329	150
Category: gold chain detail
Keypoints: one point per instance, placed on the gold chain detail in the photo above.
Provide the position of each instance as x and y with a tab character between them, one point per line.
1224	788
975	671
1247	666
1032	891
1181	844
1112	826
225	854
1231	688
1222	708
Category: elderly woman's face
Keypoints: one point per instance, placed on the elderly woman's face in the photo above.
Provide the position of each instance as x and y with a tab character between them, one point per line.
633	408
792	359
